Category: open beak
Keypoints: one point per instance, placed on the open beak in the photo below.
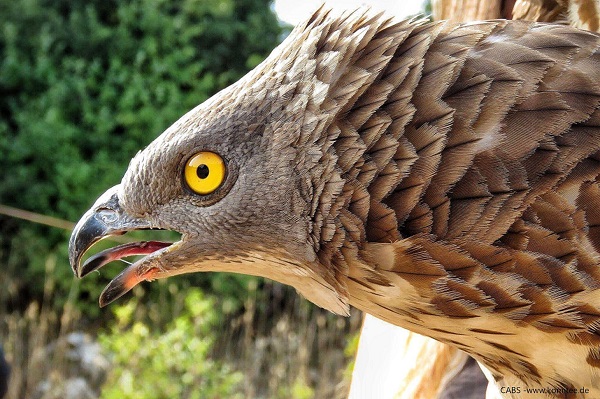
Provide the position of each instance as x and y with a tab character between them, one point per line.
106	218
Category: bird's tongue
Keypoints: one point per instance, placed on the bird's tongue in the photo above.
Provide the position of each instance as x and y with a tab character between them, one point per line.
131	276
130	249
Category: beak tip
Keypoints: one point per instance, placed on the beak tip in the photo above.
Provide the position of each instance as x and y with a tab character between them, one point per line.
75	261
114	290
75	251
88	231
76	269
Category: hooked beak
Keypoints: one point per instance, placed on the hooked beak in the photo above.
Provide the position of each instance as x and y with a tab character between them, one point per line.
106	218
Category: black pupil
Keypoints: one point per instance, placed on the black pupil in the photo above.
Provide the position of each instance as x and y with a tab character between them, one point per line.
202	171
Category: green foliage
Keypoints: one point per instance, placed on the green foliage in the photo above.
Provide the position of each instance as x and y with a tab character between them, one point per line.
85	85
428	9
350	351
171	364
299	390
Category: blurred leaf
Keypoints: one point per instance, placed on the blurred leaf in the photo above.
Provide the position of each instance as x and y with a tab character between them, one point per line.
85	85
172	363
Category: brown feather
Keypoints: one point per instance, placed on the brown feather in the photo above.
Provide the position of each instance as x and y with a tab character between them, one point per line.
468	142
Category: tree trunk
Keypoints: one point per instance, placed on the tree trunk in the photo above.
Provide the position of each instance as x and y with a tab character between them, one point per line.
466	10
581	14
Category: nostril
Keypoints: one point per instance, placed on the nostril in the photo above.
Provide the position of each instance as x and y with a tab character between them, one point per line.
107	215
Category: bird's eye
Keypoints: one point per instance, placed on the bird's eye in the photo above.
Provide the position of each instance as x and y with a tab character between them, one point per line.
205	172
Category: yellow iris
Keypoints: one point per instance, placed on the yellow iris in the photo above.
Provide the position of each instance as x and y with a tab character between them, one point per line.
204	172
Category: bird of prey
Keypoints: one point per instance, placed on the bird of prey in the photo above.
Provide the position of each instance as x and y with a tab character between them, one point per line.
441	177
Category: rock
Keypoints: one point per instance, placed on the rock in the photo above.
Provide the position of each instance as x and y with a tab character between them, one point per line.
4	374
84	372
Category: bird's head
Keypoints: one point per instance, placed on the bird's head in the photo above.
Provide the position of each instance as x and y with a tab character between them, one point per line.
242	178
